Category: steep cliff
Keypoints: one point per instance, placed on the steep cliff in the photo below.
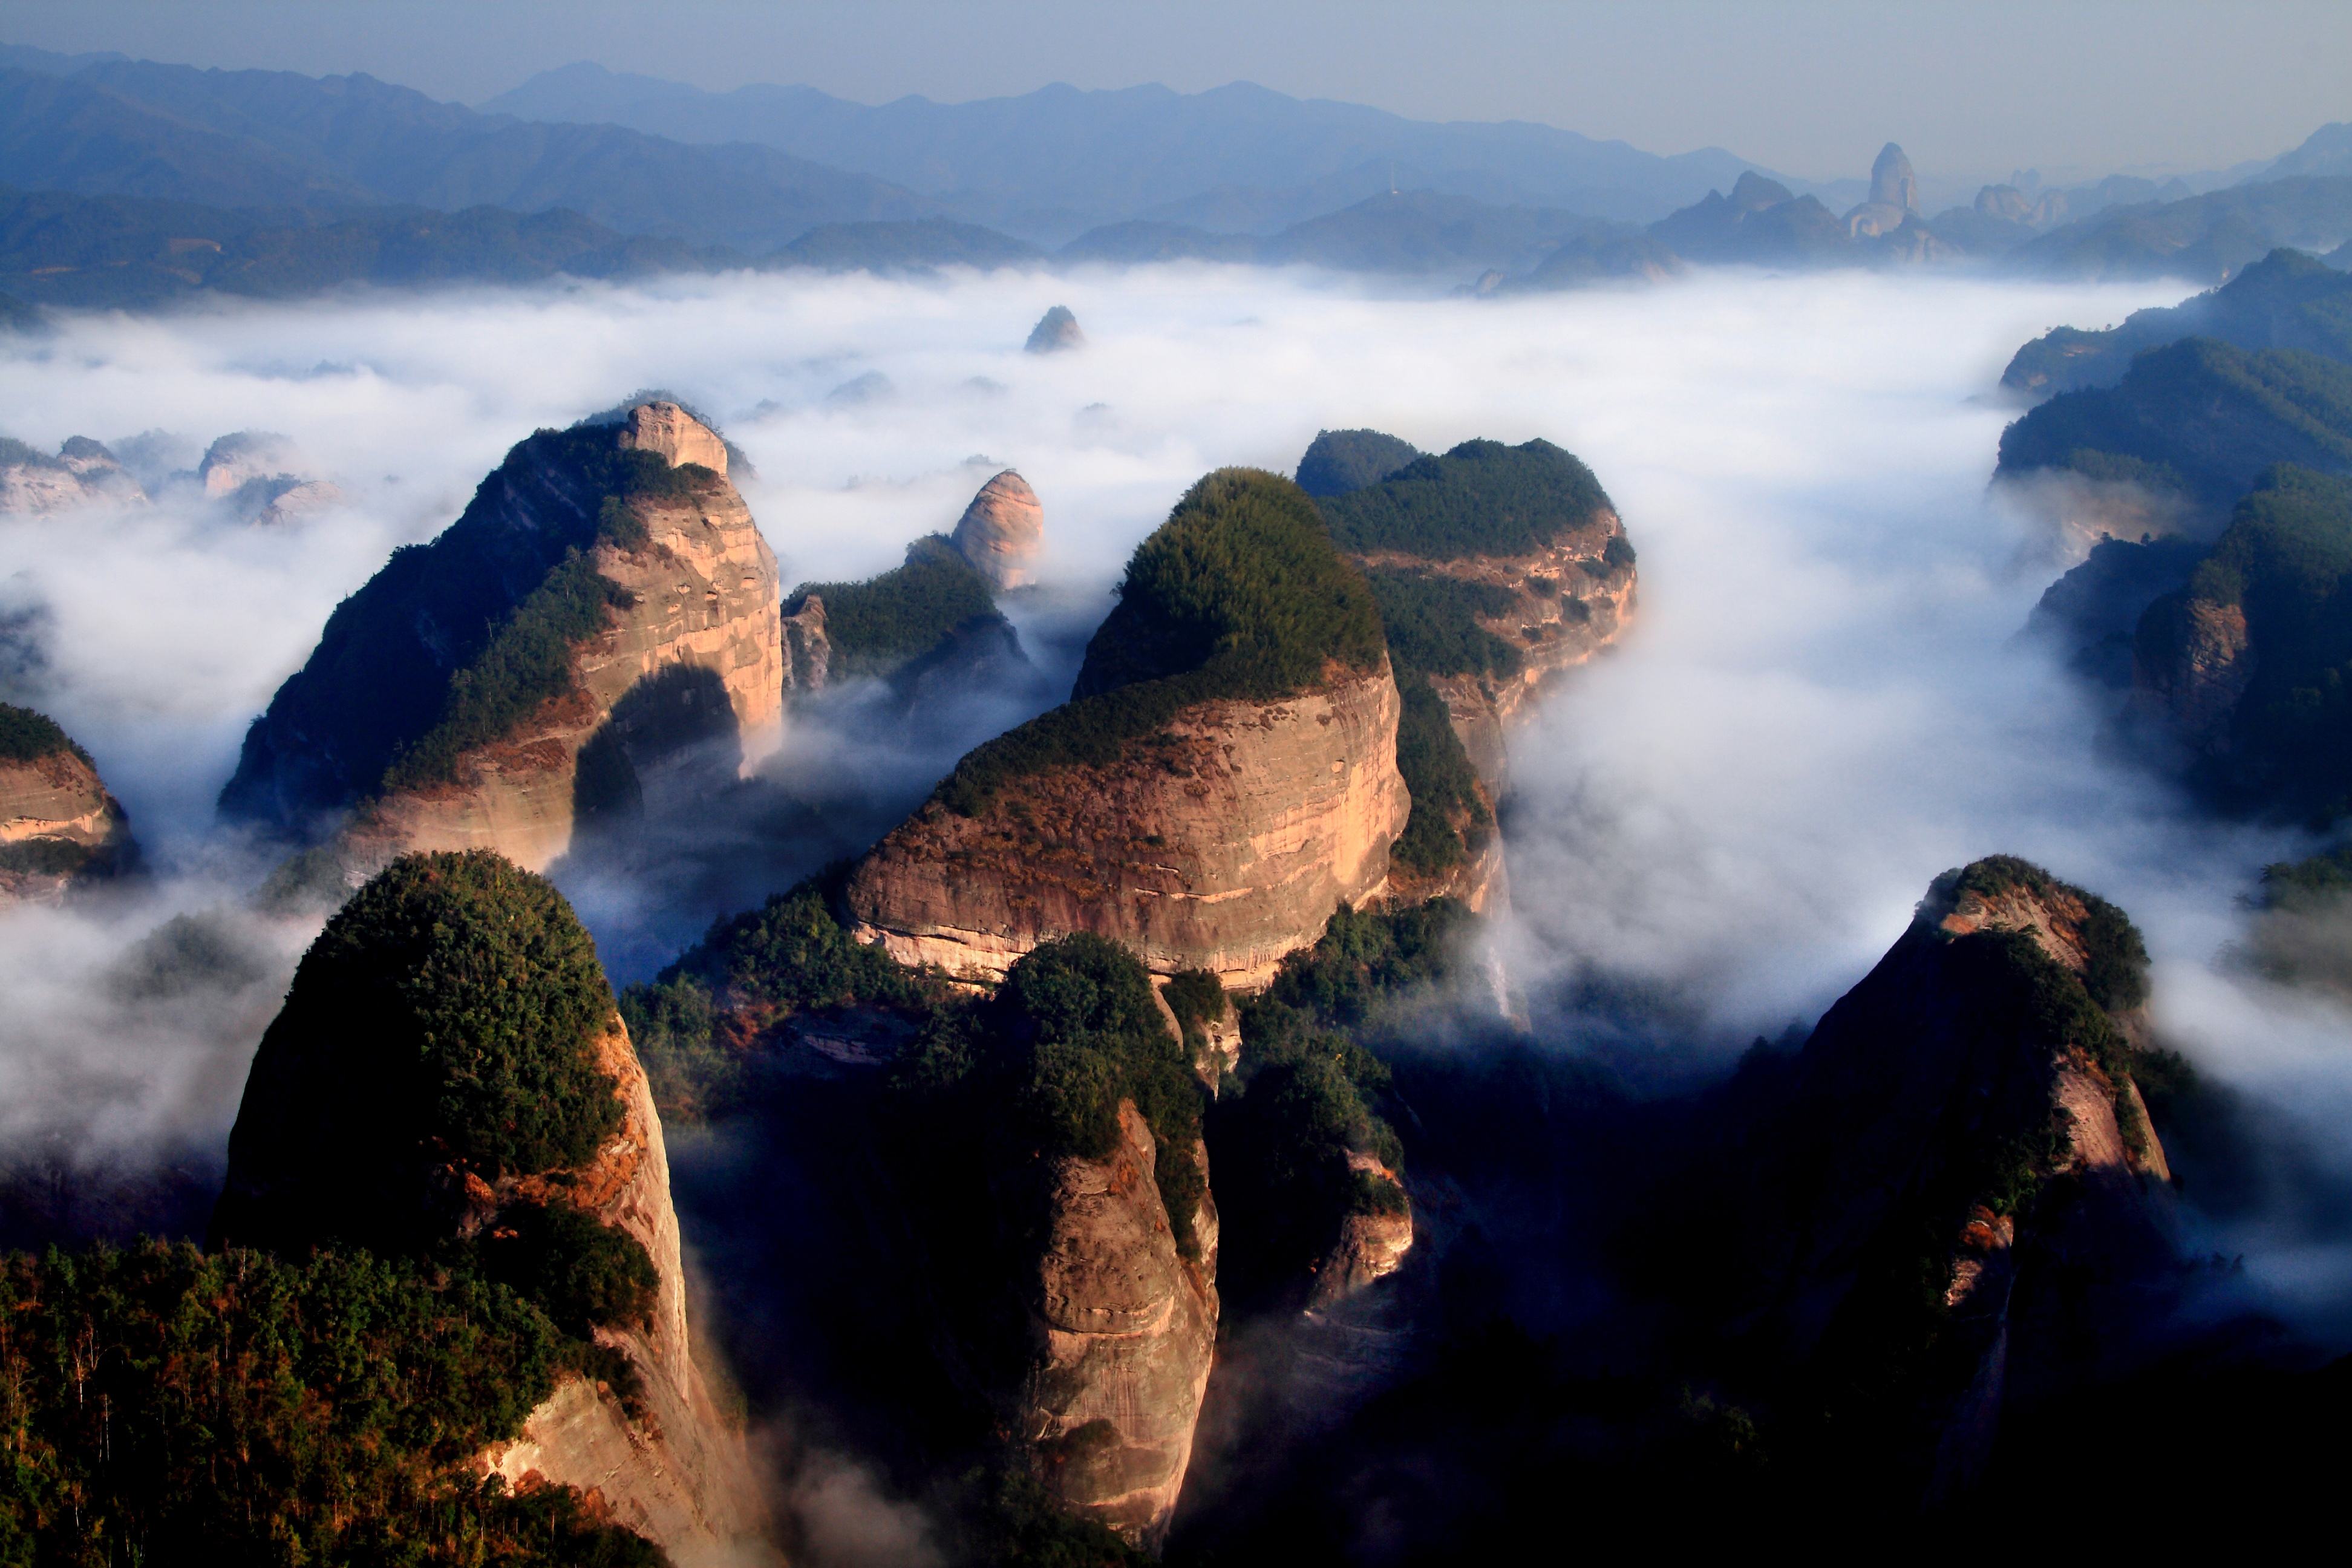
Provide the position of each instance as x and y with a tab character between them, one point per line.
447	1081
604	596
58	826
1002	531
1956	1185
1223	775
2244	666
1495	568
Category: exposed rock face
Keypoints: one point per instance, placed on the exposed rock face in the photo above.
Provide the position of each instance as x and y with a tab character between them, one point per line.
1892	183
681	1476
807	654
1122	1331
1370	1246
1002	531
2195	662
1056	331
1221	844
676	435
2093	610
59	826
690	643
82	472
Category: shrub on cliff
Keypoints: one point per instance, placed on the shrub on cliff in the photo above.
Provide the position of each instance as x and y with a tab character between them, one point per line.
164	1405
1480	499
1238	595
1449	820
879	624
447	1014
27	737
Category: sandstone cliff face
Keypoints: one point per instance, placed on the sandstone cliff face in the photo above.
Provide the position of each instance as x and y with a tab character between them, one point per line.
680	1475
1002	531
807	653
1222	844
1370	1246
1122	1331
692	643
2190	665
58	827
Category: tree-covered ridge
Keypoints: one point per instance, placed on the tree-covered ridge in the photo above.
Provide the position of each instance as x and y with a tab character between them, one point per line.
875	626
2198	416
1239	595
1450	821
1481	499
1339	461
1433	623
2289	300
2285	562
447	1016
2114	969
453	642
163	1405
27	736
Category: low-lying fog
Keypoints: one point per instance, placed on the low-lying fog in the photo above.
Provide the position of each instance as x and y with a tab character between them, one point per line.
1717	828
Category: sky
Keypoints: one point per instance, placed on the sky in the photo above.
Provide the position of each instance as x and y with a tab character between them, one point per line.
1812	87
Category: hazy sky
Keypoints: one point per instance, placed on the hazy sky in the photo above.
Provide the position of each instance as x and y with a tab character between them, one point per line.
1810	87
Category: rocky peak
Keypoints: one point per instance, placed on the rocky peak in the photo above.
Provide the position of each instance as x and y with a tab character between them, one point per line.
1056	330
59	828
1002	531
1892	180
82	471
676	435
1753	192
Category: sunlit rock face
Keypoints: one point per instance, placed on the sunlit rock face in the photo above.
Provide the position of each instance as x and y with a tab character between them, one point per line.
1002	531
672	635
81	473
59	827
1222	843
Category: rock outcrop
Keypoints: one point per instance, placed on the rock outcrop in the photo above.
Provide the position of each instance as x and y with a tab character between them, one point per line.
448	1078
1968	1115
263	479
58	826
605	595
1894	197
1002	531
1122	1331
1056	330
1225	775
82	472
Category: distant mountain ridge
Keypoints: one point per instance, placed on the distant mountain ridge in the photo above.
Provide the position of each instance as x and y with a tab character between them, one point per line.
1048	164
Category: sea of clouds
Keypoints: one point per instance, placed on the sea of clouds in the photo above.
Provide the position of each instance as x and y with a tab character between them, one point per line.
1715	828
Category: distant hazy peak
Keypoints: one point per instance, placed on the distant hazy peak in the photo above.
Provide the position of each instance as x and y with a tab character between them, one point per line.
1892	180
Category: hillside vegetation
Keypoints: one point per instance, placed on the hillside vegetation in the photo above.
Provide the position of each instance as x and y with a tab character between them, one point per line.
877	625
1480	499
1239	595
2199	417
27	736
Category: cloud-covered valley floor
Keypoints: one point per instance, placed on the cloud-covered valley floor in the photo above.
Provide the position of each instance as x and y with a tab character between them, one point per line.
1715	829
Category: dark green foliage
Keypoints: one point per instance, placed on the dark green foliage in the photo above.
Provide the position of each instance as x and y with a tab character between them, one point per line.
583	1274
1071	1033
27	737
1005	1518
2115	955
670	1022
1449	819
2213	415
1480	499
1197	997
2314	883
1338	461
1361	959
2285	561
2286	300
46	856
1238	595
877	625
447	1013
453	641
1433	623
165	1407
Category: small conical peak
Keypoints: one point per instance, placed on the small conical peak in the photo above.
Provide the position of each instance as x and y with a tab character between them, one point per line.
1892	180
664	427
1002	530
1057	330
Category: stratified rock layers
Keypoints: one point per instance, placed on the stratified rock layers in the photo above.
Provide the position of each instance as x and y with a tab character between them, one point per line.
1222	843
57	826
